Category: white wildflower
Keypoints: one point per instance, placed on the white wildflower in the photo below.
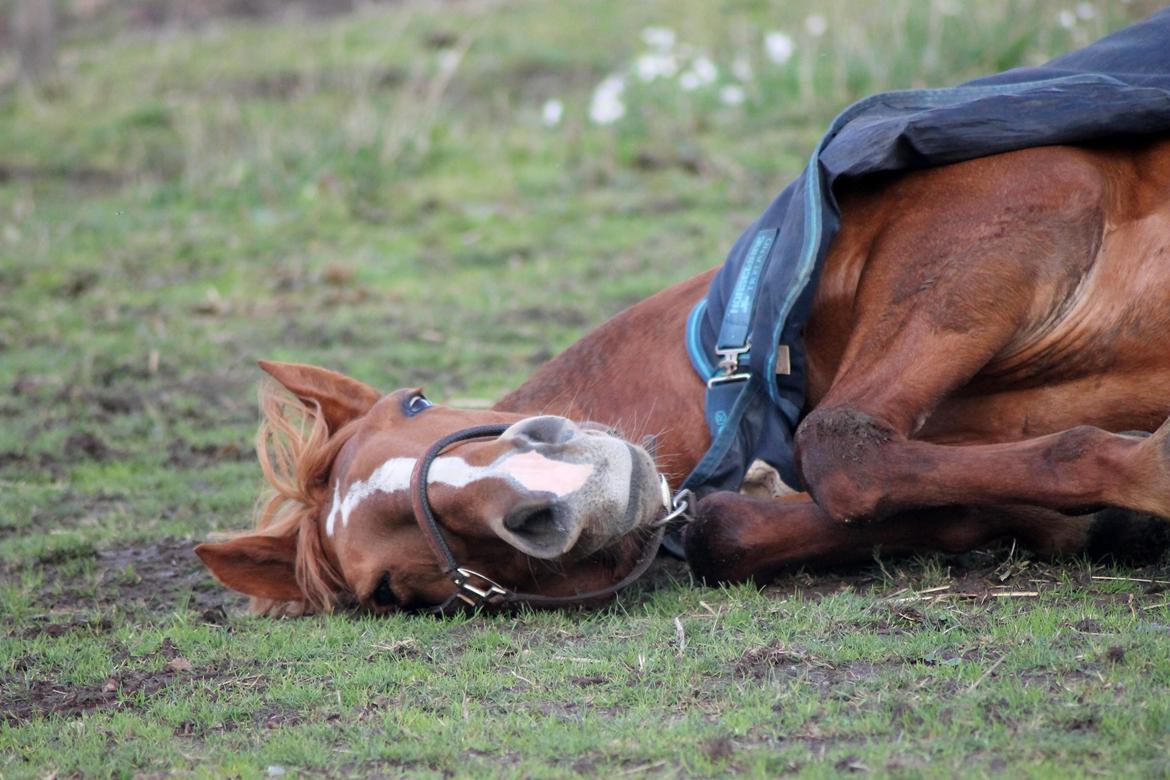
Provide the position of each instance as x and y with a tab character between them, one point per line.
661	38
1067	19
816	25
607	107
1086	11
653	66
741	66
551	112
702	73
449	60
778	46
705	70
732	95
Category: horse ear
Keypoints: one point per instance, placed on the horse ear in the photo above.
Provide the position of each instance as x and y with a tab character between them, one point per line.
260	566
342	399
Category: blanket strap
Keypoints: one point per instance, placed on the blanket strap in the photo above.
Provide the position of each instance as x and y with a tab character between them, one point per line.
734	345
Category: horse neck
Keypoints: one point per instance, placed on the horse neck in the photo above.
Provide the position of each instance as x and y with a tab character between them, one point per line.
632	373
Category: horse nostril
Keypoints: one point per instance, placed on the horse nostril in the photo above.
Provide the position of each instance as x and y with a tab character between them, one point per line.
541	528
543	430
533	520
538	526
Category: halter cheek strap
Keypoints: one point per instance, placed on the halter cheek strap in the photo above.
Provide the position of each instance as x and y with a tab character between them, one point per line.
419	500
477	591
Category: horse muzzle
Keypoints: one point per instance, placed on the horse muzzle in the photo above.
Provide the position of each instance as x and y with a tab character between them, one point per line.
581	489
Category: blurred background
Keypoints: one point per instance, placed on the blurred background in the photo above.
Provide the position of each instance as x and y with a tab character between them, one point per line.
439	193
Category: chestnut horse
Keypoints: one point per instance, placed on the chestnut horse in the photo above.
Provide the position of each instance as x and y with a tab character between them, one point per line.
981	336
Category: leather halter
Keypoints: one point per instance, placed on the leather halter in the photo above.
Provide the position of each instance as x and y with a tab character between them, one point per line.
477	591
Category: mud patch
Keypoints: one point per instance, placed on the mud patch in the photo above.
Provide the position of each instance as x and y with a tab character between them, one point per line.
124	690
40	463
43	627
89	179
183	454
896	619
88	445
777	660
68	511
758	661
808	586
137	679
275	718
293	85
166	574
146	579
92	18
689	160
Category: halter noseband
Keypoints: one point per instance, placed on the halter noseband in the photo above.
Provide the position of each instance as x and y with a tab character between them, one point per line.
477	591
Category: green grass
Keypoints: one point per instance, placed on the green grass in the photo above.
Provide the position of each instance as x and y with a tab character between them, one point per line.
179	202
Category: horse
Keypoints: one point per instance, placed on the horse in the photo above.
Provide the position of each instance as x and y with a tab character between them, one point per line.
985	354
988	352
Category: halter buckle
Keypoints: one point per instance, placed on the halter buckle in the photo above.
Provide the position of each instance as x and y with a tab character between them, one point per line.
490	594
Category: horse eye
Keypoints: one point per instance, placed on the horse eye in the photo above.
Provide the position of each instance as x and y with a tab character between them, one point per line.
383	596
416	404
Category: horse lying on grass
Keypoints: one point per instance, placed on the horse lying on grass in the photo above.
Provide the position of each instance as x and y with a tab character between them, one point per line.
980	336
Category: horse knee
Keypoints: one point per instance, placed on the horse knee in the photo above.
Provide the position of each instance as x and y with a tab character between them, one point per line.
840	455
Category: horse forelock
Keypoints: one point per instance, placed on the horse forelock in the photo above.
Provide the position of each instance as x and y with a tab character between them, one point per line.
296	452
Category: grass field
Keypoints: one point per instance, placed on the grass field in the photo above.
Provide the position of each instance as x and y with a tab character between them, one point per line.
386	192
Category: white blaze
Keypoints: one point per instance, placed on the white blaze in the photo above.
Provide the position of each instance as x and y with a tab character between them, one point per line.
530	470
545	475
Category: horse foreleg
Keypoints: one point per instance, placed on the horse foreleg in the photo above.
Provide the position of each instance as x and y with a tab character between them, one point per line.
856	467
736	538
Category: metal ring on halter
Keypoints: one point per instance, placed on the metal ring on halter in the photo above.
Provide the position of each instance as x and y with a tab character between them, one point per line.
680	510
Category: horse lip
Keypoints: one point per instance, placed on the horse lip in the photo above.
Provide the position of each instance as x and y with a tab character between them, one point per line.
637	475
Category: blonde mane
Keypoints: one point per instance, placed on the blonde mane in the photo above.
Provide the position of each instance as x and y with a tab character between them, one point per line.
296	453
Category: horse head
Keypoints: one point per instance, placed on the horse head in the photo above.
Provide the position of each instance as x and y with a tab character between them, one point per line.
538	504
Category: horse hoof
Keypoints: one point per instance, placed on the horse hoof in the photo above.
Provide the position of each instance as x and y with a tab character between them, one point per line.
714	551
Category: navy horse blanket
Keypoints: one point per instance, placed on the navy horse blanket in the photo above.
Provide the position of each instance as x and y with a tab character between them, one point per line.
744	339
